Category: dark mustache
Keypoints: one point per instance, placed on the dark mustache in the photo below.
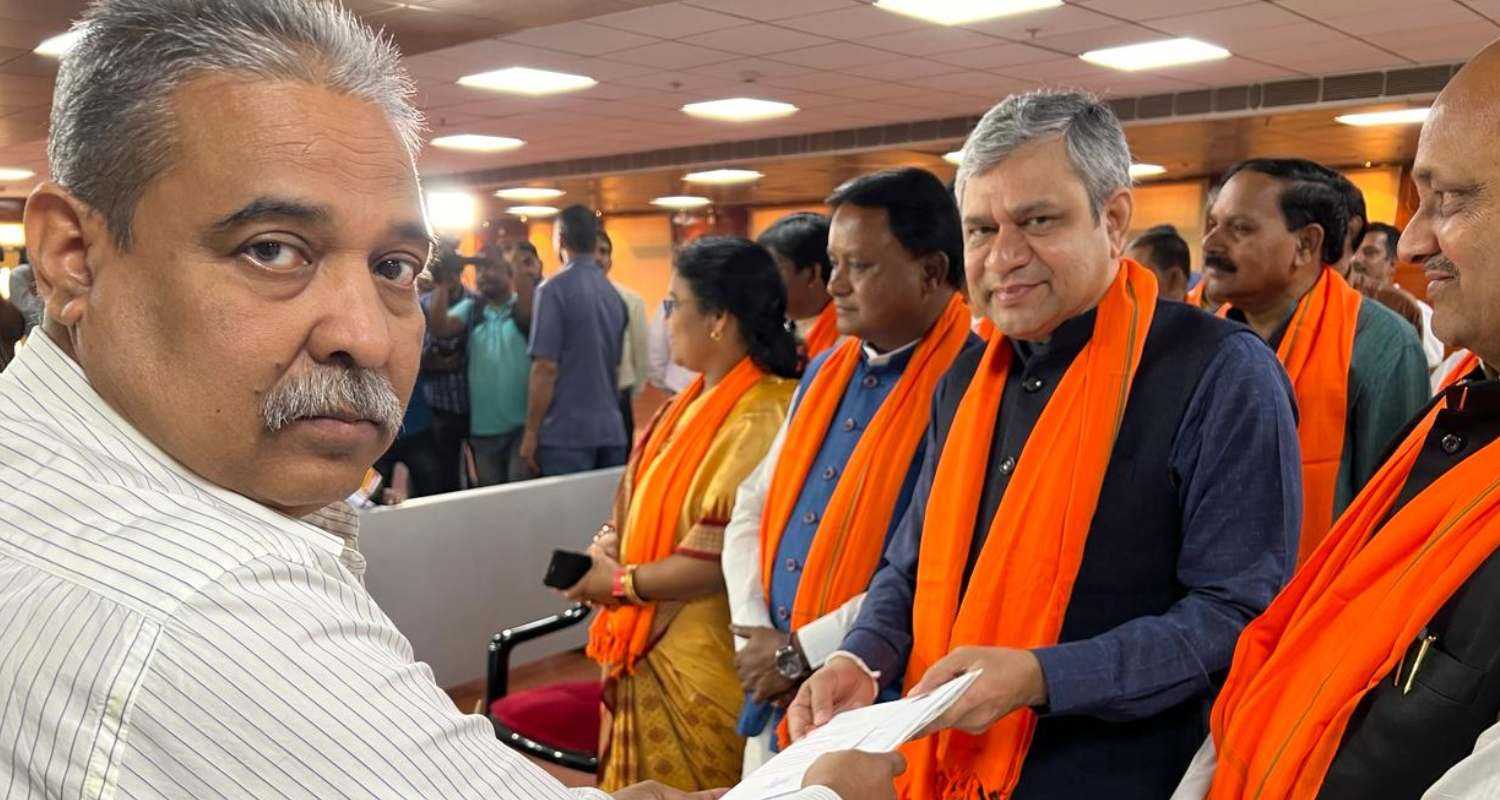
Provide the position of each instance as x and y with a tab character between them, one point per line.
1220	263
1440	264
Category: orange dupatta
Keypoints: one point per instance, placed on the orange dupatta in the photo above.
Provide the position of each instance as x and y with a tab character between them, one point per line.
1195	295
824	332
1346	619
1465	365
1035	544
1316	352
851	536
664	471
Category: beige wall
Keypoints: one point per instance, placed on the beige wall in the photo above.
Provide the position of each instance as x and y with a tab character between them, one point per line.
1179	203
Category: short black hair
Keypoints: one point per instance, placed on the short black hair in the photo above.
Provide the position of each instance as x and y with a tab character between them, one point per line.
604	237
578	229
1309	197
924	215
802	239
1392	237
1354	203
1167	247
738	276
524	246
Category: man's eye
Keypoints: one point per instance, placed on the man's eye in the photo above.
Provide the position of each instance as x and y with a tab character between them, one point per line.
273	255
397	270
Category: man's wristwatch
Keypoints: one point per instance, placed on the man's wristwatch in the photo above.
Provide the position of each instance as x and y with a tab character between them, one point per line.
791	663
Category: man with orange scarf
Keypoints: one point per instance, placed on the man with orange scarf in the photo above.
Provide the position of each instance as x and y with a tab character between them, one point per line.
1376	673
799	243
1110	494
1275	227
810	524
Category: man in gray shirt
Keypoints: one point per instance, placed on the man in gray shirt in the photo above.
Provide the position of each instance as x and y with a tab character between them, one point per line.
573	420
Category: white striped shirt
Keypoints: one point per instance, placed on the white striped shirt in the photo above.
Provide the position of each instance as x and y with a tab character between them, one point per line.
163	637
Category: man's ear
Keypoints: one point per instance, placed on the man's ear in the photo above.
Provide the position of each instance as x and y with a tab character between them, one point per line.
1310	245
1116	213
60	233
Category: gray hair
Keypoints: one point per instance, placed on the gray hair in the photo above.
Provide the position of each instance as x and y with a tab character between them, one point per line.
1096	143
112	130
327	391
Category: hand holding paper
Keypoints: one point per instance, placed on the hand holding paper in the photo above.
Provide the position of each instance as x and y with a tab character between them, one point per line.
875	729
1012	679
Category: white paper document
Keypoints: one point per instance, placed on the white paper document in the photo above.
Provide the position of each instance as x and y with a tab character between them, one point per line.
880	728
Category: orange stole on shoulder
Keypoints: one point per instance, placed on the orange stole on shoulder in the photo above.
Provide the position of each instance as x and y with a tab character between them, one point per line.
1346	619
663	473
1465	365
1036	540
1316	352
851	536
824	332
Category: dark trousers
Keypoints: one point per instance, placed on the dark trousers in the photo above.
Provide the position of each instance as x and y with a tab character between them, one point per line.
448	433
627	410
497	458
419	453
569	460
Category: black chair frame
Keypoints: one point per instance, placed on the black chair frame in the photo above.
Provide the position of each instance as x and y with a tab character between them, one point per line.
497	685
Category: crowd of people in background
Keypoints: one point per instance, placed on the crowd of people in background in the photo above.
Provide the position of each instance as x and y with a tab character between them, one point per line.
1228	534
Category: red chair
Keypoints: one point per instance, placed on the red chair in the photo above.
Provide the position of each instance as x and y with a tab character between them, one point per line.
558	723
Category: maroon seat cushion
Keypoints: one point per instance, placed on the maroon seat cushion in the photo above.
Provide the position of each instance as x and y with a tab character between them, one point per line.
564	715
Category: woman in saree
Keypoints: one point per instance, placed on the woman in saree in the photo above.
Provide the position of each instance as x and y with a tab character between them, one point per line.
662	633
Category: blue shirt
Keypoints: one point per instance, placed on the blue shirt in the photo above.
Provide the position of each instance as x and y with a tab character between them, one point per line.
1236	450
579	322
446	391
499	368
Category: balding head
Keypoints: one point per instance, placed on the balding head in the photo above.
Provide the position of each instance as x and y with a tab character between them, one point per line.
1455	234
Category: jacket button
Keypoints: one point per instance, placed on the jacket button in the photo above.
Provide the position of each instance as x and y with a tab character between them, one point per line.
849	424
1007	466
1032	385
782	613
809	518
1452	443
829	473
871	381
791	565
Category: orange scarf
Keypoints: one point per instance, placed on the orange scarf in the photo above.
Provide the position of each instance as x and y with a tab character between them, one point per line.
664	468
1461	370
1195	295
1316	351
824	332
851	535
1346	619
1035	544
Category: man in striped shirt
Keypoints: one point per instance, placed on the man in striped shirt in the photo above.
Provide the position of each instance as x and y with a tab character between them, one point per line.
227	251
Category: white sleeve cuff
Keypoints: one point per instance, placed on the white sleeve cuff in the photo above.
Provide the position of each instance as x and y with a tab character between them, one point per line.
821	638
816	793
859	662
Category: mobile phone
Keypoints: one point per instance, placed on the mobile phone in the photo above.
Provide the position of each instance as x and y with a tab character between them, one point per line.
567	569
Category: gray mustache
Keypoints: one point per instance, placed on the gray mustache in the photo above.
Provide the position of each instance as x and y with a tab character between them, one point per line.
1440	264
332	392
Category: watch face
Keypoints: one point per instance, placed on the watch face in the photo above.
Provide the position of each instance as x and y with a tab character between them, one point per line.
788	664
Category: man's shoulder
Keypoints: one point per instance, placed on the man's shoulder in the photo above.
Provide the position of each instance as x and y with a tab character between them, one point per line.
1379	329
114	529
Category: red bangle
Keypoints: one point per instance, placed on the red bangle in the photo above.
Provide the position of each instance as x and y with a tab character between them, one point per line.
617	586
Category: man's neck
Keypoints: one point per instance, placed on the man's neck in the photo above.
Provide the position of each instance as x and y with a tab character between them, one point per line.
1266	318
816	312
499	302
896	337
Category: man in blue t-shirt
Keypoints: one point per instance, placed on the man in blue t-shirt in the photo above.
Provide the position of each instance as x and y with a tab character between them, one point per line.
573	421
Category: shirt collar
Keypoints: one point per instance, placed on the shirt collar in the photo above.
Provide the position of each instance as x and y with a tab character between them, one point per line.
877	359
108	431
1065	342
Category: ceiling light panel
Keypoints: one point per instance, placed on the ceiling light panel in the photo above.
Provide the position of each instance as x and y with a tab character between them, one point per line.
59	45
681	202
15	174
1403	116
532	211
724	177
528	193
963	12
477	143
1155	55
527	81
740	109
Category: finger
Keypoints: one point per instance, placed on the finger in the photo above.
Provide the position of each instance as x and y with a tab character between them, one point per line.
936	675
895	762
823	707
799	715
742	631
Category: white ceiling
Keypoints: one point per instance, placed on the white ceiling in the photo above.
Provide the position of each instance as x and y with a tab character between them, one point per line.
849	65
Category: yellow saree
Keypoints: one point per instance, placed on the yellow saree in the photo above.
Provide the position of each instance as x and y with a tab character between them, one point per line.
672	718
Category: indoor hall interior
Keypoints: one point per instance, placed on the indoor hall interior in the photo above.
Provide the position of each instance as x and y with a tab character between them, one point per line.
678	119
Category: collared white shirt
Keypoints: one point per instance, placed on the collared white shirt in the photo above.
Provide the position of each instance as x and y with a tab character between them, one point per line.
163	637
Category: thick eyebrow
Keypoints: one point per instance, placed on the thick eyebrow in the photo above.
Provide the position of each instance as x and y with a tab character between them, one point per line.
1031	208
262	208
413	231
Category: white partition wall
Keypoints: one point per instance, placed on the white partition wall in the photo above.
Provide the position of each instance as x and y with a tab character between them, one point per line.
452	569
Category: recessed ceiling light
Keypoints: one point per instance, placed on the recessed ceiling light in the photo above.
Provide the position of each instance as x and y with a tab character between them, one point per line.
955	158
961	12
1154	55
477	143
528	193
531	211
58	46
1403	116
525	80
723	176
681	202
740	109
15	174
452	211
1146	170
